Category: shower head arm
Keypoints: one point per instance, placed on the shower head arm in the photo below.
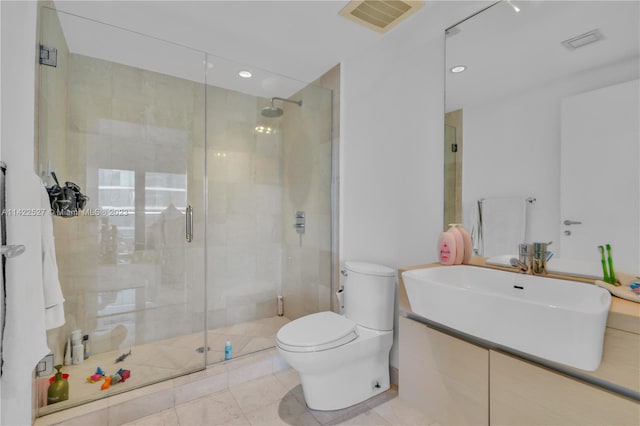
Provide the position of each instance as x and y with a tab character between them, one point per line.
299	103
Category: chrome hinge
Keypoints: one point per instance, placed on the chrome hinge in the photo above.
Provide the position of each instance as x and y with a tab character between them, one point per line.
48	56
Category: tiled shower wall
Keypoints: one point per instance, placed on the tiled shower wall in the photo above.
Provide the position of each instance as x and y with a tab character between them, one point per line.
308	159
244	211
134	122
123	118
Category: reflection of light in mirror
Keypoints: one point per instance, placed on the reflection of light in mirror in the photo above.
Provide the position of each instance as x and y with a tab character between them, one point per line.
221	154
515	8
458	68
245	74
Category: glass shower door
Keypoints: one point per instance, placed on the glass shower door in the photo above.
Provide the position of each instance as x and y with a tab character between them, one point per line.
269	153
122	116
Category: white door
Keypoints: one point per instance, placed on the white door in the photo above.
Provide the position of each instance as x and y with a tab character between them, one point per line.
600	178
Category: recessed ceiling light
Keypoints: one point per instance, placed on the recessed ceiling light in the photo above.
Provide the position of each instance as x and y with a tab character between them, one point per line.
245	74
515	8
458	68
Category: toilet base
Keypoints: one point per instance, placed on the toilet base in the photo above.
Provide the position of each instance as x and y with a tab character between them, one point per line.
347	386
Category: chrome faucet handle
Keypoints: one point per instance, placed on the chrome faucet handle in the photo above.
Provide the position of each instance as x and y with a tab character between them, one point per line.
525	253
517	264
540	257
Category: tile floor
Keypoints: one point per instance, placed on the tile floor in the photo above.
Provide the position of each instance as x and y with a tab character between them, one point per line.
258	389
161	360
277	399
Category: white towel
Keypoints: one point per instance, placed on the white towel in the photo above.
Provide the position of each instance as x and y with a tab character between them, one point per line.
25	340
53	298
503	225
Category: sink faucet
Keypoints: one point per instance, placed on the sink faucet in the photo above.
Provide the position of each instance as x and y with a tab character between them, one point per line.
524	261
521	266
540	256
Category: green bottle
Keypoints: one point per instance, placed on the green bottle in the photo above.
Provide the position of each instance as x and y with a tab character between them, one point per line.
59	389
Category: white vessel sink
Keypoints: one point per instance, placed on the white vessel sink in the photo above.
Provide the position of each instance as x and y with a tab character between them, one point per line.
558	320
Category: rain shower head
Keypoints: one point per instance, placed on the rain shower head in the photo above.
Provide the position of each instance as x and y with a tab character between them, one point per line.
273	111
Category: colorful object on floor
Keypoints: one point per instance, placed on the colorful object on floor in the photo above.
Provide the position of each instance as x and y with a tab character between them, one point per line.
106	384
95	378
119	377
635	287
123	357
116	378
124	374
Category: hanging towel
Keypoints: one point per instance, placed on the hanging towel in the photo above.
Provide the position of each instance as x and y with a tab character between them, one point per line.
503	224
25	339
53	298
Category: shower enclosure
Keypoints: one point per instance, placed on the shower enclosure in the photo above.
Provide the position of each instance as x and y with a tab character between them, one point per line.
198	181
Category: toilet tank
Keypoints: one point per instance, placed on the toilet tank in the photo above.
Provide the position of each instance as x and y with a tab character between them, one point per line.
369	294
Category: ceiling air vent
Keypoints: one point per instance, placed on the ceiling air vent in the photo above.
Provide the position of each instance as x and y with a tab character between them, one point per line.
380	15
583	39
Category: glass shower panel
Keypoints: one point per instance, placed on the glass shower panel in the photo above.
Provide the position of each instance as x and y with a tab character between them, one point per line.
122	116
262	169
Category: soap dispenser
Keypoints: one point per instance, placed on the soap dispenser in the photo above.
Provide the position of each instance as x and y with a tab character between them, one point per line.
59	389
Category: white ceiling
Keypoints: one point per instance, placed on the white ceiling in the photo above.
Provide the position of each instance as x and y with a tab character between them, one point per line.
298	39
508	52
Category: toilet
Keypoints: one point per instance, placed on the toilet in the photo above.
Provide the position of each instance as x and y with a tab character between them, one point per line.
344	359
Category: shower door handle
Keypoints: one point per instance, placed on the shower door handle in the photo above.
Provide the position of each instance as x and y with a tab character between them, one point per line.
189	224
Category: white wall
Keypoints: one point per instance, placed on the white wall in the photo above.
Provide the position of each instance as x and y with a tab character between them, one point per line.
18	52
512	147
391	151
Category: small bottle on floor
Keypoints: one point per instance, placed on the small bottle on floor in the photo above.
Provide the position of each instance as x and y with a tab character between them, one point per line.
227	351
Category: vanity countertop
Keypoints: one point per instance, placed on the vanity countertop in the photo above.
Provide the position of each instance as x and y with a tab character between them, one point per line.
623	314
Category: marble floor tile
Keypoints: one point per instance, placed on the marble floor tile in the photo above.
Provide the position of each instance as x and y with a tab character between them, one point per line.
257	344
287	411
219	408
368	418
288	378
335	416
163	418
399	412
258	393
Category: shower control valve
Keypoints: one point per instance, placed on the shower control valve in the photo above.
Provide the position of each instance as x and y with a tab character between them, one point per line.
300	222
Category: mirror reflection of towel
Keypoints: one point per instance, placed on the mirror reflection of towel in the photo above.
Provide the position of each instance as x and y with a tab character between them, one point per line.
503	224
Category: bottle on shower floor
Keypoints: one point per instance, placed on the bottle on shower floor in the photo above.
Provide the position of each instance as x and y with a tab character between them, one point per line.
227	351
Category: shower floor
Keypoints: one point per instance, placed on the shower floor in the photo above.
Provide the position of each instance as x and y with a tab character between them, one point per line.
160	360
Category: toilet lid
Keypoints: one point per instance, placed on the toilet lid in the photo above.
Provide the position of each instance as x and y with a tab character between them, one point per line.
370	269
316	332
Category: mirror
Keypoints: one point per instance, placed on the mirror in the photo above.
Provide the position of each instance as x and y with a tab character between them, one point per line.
547	110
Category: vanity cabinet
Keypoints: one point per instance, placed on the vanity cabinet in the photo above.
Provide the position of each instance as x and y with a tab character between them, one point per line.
457	382
446	377
523	393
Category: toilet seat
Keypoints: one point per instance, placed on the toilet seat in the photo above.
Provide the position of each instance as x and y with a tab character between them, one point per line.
316	332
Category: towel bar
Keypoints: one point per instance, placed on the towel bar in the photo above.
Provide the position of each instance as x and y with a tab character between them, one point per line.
14	250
